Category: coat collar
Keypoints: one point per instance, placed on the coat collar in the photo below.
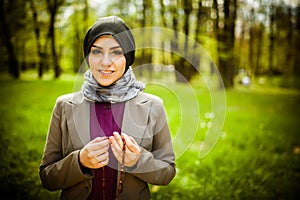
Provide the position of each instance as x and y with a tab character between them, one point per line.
135	118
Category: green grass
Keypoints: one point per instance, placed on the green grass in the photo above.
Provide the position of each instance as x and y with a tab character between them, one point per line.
256	157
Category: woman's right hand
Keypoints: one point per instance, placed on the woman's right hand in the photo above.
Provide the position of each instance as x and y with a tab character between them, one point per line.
94	154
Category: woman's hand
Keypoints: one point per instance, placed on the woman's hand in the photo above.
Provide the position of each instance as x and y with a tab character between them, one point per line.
95	153
132	152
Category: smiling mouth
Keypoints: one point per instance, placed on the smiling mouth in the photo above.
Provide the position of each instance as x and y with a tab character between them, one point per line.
106	72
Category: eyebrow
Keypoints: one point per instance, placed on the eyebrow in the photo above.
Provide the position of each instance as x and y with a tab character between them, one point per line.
112	48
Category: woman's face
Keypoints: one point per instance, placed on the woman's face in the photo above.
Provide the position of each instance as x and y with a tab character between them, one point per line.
107	61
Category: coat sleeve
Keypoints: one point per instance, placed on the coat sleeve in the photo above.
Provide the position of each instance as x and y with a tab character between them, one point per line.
58	171
157	166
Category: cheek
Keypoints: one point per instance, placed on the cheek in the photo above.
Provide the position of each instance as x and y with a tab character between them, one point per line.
91	62
121	64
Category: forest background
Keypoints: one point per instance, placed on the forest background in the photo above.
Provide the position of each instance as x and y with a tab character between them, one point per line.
253	44
252	37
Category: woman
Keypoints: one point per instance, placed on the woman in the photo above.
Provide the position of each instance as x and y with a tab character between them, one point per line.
111	139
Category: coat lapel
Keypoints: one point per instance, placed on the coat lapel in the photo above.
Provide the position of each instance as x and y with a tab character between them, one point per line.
78	119
135	117
134	123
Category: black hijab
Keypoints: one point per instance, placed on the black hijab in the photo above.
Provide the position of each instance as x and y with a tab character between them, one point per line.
116	27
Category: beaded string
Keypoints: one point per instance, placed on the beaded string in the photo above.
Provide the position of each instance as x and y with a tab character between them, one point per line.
103	183
120	188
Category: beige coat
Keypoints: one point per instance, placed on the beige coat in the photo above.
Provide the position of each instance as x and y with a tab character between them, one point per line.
144	119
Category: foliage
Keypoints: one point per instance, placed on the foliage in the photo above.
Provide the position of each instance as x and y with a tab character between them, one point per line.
25	112
256	157
260	37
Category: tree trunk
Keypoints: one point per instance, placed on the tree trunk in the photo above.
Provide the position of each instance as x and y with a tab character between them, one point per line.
13	64
77	56
85	15
41	57
80	19
296	64
162	13
183	65
271	38
196	55
260	43
226	37
57	69
146	54
252	31
174	43
164	23
53	9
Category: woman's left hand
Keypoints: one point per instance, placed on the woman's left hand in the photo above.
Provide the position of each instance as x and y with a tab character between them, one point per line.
132	152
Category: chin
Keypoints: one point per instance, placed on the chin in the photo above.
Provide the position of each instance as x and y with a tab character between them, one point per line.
105	83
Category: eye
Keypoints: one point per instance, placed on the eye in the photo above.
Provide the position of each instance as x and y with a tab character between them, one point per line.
117	52
96	51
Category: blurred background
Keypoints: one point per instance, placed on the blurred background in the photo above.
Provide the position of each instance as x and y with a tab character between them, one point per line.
253	44
249	37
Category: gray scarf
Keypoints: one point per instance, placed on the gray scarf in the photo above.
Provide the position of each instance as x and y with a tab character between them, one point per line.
122	90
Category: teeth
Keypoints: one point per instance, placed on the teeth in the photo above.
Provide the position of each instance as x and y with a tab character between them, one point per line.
106	72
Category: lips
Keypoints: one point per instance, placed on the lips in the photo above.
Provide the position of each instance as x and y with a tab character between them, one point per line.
105	72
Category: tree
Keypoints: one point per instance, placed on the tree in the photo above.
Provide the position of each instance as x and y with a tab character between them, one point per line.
53	8
37	31
256	30
79	27
8	8
272	38
164	24
225	31
296	64
186	64
175	42
147	53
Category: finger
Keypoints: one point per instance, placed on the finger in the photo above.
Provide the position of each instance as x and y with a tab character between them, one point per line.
100	151
98	139
115	146
100	164
103	157
117	152
118	139
131	143
99	144
105	162
112	139
90	160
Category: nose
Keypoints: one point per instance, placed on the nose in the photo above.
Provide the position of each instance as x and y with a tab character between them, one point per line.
106	60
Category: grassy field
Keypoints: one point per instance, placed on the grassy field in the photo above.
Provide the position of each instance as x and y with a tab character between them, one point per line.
256	157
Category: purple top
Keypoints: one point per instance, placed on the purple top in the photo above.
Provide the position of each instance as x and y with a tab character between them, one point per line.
105	119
